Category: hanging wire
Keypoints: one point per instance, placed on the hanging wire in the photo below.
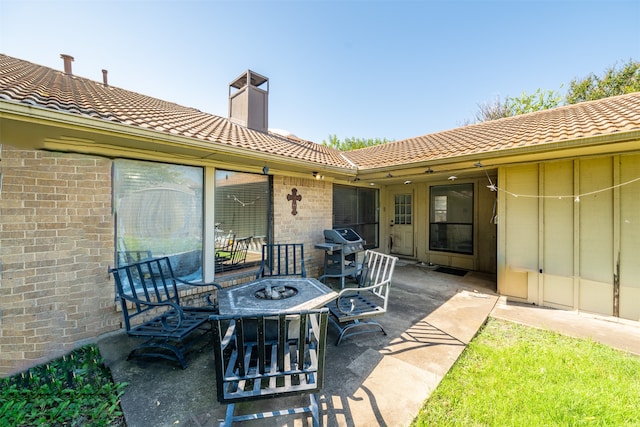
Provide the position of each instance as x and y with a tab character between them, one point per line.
491	185
576	198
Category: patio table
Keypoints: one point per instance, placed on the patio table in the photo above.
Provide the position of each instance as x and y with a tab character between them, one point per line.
291	293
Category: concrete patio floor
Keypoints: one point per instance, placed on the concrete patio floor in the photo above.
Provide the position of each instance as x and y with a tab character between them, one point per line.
370	379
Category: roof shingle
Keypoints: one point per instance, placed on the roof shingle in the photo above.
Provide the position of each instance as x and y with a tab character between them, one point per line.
571	122
28	83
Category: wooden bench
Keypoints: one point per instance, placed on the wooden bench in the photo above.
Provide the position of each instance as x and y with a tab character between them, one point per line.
264	356
150	301
353	312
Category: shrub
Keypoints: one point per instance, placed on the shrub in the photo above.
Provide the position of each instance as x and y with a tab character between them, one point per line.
74	390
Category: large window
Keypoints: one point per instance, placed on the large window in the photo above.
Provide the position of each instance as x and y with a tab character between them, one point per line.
357	208
242	218
451	218
158	212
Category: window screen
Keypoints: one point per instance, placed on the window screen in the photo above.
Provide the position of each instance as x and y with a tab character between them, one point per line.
357	208
451	218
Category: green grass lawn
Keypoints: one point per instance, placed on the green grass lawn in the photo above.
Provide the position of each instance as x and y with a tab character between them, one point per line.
509	375
513	375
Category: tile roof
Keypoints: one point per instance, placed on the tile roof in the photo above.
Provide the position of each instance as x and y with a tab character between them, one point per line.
39	86
573	122
31	84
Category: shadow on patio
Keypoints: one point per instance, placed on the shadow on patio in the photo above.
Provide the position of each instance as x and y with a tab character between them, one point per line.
370	379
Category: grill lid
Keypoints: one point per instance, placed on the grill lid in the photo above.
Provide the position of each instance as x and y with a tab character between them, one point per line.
342	236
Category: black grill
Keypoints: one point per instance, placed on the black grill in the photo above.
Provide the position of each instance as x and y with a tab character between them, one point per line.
340	257
347	238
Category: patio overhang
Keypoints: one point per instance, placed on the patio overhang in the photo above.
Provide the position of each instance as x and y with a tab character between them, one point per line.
38	128
477	163
34	127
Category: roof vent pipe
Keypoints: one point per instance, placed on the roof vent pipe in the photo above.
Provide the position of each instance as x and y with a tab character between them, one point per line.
104	77
68	59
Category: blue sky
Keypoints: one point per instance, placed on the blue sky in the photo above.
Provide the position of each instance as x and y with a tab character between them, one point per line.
365	69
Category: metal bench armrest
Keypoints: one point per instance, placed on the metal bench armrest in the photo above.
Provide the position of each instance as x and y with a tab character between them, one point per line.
212	302
185	282
352	292
175	312
138	301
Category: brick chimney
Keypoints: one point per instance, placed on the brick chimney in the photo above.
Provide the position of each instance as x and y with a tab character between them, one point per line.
68	59
249	102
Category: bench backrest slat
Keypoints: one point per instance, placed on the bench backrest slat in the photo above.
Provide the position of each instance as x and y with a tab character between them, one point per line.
282	259
239	251
377	270
269	355
150	280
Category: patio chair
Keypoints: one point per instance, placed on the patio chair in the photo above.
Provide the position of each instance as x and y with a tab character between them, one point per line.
223	247
282	259
234	256
264	356
353	312
151	309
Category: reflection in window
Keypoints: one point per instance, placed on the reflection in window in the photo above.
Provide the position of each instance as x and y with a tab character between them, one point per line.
158	212
451	218
357	208
242	216
440	208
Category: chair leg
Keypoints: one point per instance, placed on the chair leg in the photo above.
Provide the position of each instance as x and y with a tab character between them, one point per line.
356	327
142	350
315	412
313	408
228	420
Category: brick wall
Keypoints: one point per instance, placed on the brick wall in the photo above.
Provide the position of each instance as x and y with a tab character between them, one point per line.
314	215
56	243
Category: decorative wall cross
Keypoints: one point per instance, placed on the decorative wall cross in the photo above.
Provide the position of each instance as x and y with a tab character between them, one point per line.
294	198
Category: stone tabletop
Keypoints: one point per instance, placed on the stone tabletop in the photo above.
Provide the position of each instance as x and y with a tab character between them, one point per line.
250	298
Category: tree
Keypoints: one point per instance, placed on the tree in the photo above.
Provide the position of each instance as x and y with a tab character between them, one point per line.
353	143
613	82
512	106
540	100
491	111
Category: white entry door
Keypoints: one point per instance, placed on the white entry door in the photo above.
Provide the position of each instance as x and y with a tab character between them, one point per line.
401	232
